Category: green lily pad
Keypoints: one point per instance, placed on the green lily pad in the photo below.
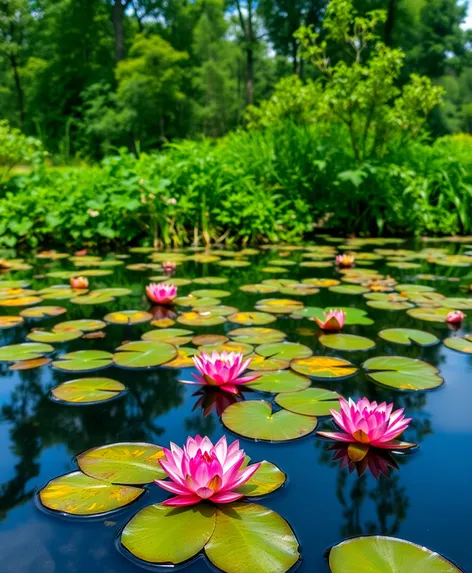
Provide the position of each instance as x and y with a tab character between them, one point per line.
128	317
234	264
279	283
25	351
256	335
347	342
78	494
430	314
279	381
379	554
406	336
322	283
210	293
101	296
21	301
13	284
249	537
353	316
324	367
202	318
175	336
230	346
267	364
144	354
210	280
274	270
403	373
173	281
299	290
284	350
459	344
162	535
278	305
309	402
389	305
43	311
317	264
348	289
85	325
195	302
268	478
83	361
83	273
458	303
251	318
183	358
133	463
259	288
10	321
51	337
403	265
412	288
206	339
88	391
255	419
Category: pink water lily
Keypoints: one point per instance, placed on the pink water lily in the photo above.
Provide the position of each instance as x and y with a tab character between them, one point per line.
169	266
378	462
370	424
161	293
333	322
345	260
79	282
455	317
223	370
203	471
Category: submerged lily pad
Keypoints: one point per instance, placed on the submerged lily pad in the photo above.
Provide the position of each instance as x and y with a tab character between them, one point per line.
255	419
256	335
279	381
403	373
309	402
83	361
459	344
88	391
25	351
144	354
347	342
78	494
406	336
175	336
379	554
324	367
251	318
132	463
128	317
284	350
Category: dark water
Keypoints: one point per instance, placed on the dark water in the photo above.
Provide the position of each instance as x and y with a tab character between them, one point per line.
428	500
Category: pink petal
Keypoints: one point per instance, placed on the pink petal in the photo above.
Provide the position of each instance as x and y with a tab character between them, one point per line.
226	497
182	500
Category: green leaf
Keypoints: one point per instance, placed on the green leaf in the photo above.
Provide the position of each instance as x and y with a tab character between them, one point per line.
459	344
144	354
268	478
25	351
309	402
88	391
324	367
128	317
347	342
284	350
280	381
403	373
406	336
83	361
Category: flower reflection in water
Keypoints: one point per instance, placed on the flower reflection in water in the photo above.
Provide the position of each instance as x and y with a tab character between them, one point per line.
377	462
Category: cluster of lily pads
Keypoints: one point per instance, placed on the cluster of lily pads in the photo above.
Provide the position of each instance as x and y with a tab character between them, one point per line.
214	484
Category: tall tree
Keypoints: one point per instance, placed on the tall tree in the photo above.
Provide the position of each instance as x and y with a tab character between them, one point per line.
246	17
118	10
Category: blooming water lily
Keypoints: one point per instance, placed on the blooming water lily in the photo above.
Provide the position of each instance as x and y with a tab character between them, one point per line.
333	322
161	293
455	317
345	260
79	282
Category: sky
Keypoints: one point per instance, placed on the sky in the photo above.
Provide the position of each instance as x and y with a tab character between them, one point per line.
468	20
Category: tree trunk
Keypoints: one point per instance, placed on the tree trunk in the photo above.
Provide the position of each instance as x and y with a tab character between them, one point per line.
118	12
19	91
390	22
250	56
296	67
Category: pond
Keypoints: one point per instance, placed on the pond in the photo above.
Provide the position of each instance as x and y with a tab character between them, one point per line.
425	496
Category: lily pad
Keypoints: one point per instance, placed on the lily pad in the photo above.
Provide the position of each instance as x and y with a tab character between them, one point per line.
21	301
29	364
132	463
210	293
258	288
406	336
85	325
379	554
403	373
458	303
144	354
459	344
128	317
267	364
83	361
229	346
430	314
205	339
322	283
256	335
52	337
25	351
43	311
251	318
347	342
210	280
268	478
299	290
353	316
279	381
278	305
348	289
78	494
183	358
175	336
324	367
202	318
10	321
284	350
88	391
234	264
255	419
389	305
169	535
309	402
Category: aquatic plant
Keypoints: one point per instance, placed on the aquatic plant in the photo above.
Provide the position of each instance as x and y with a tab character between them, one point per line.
333	321
345	261
79	282
161	293
455	317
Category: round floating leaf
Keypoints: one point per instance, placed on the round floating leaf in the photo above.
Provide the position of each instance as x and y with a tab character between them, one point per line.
196	302
88	391
256	335
219	310
389	305
258	288
249	537
21	301
274	270
203	318
85	325
234	264
406	336
347	342
43	311
13	284
132	463
254	419
378	554
278	283
323	283
51	337
317	264
324	367
210	293
403	265
230	346
459	344
250	318
10	321
403	373
175	336
83	361
348	289
82	273
284	350
79	494
412	288
25	351
281	263
299	290
268	478
161	535
457	303
280	381
278	305
29	364
205	339
210	280
183	358
309	402
163	322
430	314
128	317
144	354
353	316
267	364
